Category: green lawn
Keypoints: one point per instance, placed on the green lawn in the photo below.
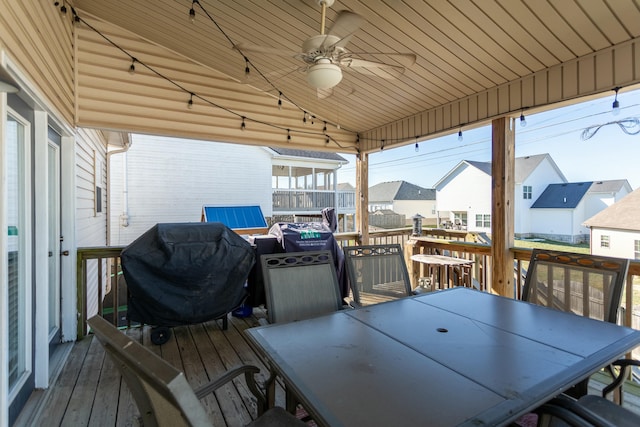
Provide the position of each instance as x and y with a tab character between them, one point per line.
549	244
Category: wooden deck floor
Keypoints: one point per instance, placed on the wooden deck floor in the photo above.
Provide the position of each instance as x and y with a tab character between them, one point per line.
89	391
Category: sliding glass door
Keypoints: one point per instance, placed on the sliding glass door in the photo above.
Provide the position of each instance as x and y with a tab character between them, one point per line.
19	254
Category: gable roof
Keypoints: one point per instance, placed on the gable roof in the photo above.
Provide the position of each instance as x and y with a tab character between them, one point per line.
399	190
610	186
527	164
524	166
308	154
620	215
562	196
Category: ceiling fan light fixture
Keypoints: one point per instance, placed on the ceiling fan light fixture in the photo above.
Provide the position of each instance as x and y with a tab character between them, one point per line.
324	75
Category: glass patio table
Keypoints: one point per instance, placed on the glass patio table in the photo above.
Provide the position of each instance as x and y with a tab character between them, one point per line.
446	358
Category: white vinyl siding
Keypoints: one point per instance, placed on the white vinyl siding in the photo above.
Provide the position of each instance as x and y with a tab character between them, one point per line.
169	180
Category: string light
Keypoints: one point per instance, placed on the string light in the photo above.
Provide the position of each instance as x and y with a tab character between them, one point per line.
382	145
63	8
417	147
324	129
615	107
460	138
304	118
192	12
247	70
523	121
326	140
134	60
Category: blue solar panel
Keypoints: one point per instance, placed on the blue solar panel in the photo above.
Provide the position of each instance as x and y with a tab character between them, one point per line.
235	217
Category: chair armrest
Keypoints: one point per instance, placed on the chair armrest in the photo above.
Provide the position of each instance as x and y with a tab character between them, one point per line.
249	371
624	365
572	412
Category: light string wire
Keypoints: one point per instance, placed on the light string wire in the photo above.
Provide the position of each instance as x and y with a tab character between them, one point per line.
78	19
627	125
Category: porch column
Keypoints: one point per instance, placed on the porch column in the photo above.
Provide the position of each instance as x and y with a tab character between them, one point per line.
362	197
502	206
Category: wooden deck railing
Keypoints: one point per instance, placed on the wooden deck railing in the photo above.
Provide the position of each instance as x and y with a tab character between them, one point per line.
105	271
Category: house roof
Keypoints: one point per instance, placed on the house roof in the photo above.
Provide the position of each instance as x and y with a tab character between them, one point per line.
562	196
621	215
524	166
609	186
399	190
324	155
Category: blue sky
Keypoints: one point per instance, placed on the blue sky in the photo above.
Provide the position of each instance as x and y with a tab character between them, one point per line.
609	154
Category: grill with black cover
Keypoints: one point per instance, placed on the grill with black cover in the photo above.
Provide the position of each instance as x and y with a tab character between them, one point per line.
185	273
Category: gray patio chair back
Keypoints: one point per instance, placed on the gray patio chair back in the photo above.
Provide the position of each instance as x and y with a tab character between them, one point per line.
161	392
587	285
377	273
300	285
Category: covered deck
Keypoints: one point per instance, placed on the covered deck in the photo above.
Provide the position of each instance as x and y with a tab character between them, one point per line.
89	391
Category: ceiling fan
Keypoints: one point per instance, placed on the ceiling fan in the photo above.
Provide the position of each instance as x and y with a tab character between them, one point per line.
325	55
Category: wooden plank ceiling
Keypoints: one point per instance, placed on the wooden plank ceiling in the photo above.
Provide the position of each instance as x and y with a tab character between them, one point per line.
463	48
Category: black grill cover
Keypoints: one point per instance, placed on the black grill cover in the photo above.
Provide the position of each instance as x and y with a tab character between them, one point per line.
186	273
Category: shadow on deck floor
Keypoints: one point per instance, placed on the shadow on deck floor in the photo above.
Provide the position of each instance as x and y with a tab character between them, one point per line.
88	390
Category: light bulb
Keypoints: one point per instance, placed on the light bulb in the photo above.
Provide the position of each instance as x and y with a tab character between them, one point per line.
190	103
460	136
523	121
615	108
417	147
243	126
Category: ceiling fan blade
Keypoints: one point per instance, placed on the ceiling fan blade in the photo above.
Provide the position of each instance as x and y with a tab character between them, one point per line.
404	59
371	68
245	47
344	26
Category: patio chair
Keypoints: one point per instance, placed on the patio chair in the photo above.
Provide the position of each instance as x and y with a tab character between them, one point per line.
586	285
377	273
300	285
588	411
162	393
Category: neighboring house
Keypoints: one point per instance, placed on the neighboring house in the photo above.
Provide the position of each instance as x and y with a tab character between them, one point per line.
149	187
560	211
545	205
406	199
464	193
615	231
304	182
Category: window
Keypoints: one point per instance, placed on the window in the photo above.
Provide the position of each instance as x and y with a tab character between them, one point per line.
604	241
483	221
636	249
526	192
